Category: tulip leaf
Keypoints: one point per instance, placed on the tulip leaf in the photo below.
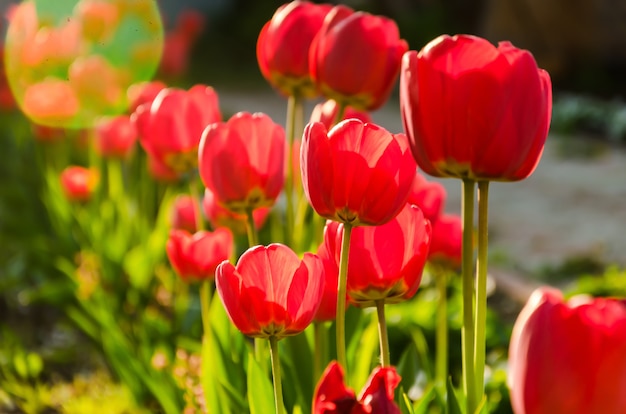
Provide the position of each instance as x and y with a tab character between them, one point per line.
298	367
425	403
260	390
405	404
364	350
453	403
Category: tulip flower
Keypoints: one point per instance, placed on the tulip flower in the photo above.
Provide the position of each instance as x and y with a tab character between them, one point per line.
494	125
51	102
327	112
568	357
356	173
78	183
115	137
386	261
195	256
220	216
333	397
171	126
242	161
183	215
446	241
143	92
283	47
355	58
429	196
271	292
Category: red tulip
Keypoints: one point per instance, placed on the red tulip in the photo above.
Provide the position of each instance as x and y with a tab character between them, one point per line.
161	172
326	113
283	47
115	137
475	111
447	240
386	261
333	397
271	292
242	161
326	252
220	216
356	173
568	357
183	215
51	102
143	92
171	126
78	183
355	58
429	196
195	256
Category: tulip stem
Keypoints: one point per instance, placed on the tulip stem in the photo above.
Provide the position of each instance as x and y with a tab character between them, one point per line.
441	359
205	302
253	236
293	103
321	351
385	359
481	288
278	387
467	265
341	111
115	179
195	197
341	297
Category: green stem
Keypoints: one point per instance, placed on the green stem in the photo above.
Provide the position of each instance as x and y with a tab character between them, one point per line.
292	104
382	334
341	298
340	113
206	290
481	289
278	387
253	235
441	358
115	179
321	351
195	195
467	331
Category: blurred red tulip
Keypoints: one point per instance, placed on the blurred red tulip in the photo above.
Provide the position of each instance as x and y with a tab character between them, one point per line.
98	19
183	215
283	47
429	196
171	126
271	292
356	173
220	216
493	126
447	241
78	183
333	397
43	133
355	58
143	93
242	161
178	44
51	102
568	357
326	113
386	261
195	256
115	137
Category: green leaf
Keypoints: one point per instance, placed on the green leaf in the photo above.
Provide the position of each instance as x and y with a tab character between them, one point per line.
405	404
260	390
453	403
424	404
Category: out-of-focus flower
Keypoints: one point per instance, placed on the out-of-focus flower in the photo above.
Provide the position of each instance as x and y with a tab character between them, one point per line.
447	241
327	111
195	256
568	357
242	161
143	93
356	173
271	292
283	47
171	126
183	215
333	397
78	183
494	125
355	58
429	196
115	137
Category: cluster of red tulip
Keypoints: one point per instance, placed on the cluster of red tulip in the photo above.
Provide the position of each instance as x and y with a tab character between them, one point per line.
470	110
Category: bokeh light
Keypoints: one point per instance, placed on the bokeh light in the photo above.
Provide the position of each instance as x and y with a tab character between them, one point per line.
69	62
